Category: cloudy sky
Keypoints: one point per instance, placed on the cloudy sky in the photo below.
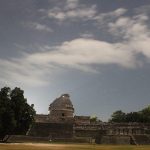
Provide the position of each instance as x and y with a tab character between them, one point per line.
98	51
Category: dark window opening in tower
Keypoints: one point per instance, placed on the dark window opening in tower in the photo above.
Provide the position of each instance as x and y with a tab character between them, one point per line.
63	114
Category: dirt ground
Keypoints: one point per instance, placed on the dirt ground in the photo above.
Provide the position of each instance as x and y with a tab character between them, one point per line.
32	146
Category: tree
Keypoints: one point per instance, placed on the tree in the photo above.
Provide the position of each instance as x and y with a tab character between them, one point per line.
24	113
142	116
133	117
16	115
145	114
7	120
93	119
118	116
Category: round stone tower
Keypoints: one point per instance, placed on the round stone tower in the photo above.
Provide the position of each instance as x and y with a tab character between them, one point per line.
61	109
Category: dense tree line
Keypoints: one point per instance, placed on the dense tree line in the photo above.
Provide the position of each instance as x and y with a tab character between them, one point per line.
16	115
142	116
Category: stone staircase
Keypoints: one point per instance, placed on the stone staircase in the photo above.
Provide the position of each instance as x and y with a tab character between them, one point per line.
133	140
140	139
5	139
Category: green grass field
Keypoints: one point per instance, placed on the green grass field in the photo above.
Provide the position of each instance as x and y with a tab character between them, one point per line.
69	147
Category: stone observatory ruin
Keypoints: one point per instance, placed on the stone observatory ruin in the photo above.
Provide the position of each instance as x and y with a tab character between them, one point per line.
61	125
61	109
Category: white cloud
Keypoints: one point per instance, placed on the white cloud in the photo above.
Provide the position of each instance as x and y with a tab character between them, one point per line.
135	31
18	71
87	35
118	12
33	69
71	4
72	10
83	53
130	27
39	27
104	18
144	9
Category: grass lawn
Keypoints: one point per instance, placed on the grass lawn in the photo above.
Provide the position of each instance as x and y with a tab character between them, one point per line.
69	147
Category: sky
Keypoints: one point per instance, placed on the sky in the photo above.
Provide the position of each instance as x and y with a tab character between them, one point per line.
98	51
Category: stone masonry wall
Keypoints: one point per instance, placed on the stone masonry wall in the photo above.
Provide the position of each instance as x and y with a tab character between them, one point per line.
52	130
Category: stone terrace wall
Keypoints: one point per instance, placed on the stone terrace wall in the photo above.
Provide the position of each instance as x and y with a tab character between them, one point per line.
82	120
41	118
116	140
127	128
52	130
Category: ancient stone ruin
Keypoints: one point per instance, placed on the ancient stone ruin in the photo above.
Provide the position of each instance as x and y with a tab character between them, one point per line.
61	125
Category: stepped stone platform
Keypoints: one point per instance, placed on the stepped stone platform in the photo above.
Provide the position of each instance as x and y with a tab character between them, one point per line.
24	139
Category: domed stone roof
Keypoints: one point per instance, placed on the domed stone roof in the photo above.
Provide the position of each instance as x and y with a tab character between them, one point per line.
63	102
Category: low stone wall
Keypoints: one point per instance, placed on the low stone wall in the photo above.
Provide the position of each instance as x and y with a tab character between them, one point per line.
74	140
31	139
104	139
116	140
24	139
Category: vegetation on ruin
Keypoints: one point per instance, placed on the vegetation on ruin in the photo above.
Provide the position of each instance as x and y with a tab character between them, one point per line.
142	116
69	146
16	115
